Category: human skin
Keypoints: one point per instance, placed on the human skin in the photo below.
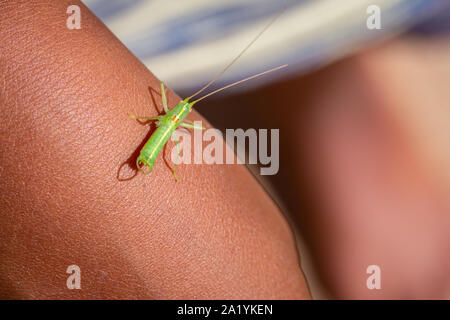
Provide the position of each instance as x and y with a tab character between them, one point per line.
364	165
67	140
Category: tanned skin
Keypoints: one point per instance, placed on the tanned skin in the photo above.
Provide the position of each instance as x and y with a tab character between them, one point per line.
67	146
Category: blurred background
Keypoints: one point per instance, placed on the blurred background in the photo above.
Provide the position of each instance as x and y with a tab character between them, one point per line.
363	115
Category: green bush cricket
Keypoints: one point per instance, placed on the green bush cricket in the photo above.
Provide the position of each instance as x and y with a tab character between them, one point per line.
173	118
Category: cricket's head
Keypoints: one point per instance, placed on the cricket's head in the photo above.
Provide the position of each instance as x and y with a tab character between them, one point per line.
142	163
188	104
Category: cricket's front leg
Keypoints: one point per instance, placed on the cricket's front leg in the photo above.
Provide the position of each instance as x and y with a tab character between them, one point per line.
164	98
190	125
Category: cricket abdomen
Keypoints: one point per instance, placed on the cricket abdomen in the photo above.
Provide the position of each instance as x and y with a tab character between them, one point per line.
167	125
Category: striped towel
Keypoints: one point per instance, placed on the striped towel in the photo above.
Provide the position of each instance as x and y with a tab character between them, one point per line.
186	43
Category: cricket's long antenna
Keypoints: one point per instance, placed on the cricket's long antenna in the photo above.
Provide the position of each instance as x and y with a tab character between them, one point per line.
240	54
240	81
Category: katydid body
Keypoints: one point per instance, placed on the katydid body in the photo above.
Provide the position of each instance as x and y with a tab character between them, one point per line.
166	126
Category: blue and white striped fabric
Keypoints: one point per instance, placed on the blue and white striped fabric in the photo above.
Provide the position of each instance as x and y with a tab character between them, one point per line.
185	43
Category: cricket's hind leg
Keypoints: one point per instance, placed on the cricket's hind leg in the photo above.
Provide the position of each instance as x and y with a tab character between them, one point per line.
178	157
157	118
